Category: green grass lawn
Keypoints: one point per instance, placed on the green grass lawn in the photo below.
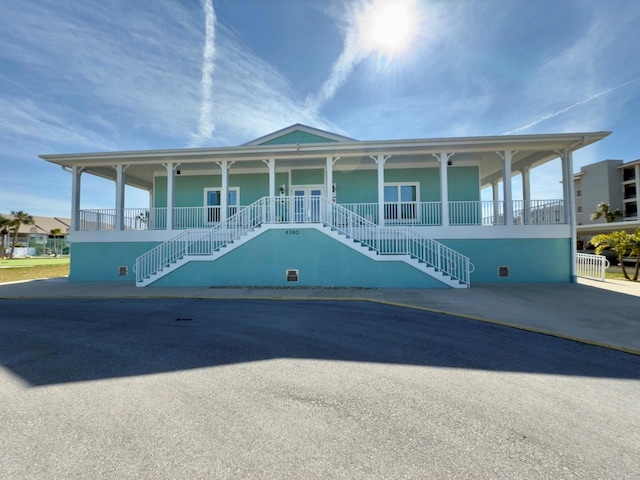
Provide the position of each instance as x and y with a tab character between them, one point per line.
615	273
30	268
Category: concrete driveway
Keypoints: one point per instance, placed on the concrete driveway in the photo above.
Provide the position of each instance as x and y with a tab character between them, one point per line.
195	388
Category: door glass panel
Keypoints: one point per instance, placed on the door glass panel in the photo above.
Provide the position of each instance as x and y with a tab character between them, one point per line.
213	198
232	202
213	206
298	205
315	205
390	209
408	193
391	194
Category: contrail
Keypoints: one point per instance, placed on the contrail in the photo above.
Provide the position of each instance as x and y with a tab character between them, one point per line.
205	123
566	109
352	54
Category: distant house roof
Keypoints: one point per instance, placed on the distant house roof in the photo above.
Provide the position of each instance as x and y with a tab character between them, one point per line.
43	225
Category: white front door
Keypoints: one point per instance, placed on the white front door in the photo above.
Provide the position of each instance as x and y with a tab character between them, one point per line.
306	204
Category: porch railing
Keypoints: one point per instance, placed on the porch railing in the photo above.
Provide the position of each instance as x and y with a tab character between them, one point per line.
200	241
591	266
461	213
312	209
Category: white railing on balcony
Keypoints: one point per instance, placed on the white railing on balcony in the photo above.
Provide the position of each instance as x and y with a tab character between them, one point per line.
591	266
538	212
309	209
98	220
291	209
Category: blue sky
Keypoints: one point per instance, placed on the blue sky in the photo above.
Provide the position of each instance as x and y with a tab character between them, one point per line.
80	76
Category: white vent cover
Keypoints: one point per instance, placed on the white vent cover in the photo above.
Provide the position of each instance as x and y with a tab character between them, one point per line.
123	271
292	275
504	272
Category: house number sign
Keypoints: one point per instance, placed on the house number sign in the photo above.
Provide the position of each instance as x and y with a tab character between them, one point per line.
292	232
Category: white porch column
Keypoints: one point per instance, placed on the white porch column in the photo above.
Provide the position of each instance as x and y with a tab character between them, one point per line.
443	159
496	205
526	193
120	183
570	210
224	190
329	188
76	173
170	167
380	160
271	164
506	186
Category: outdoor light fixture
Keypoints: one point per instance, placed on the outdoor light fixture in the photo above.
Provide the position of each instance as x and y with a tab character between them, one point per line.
449	162
282	189
333	188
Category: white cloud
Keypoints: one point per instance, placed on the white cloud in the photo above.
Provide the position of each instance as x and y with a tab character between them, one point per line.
570	107
20	118
205	124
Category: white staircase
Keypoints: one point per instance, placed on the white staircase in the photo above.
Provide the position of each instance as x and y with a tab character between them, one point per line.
369	239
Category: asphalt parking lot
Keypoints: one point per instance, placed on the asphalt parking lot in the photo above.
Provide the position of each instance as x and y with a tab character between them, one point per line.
192	388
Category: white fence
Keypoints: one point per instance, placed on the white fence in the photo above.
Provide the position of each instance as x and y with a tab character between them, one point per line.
591	266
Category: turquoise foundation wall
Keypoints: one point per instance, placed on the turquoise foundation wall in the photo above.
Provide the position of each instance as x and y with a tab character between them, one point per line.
99	262
530	260
324	262
320	260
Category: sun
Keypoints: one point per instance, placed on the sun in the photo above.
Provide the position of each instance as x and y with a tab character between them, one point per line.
389	26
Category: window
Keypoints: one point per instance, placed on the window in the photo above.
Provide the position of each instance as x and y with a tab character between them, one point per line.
579	193
579	209
400	201
212	199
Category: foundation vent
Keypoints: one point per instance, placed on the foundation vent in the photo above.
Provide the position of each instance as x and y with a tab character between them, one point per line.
123	271
292	275
504	272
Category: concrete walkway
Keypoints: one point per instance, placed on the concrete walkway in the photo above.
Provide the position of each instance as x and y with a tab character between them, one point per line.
599	313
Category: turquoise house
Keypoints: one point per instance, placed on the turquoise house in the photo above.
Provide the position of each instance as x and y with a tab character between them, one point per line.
307	207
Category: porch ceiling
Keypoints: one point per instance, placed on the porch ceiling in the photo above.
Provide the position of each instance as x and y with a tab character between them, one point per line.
143	165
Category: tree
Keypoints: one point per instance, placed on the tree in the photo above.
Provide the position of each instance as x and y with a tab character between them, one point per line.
5	224
19	218
604	210
622	243
55	232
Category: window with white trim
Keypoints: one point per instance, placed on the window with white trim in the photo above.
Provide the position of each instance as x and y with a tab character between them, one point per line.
212	201
400	201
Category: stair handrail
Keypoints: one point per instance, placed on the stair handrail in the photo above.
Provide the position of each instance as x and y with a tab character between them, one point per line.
384	240
201	241
399	240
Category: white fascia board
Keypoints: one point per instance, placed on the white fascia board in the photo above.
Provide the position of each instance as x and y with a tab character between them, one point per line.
344	149
495	232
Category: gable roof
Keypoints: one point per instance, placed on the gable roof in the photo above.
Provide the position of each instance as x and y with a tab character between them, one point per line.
297	134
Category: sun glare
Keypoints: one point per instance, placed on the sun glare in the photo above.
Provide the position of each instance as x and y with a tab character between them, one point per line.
389	26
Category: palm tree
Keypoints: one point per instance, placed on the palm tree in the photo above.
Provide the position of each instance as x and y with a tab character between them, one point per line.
55	232
19	218
604	210
5	223
622	243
